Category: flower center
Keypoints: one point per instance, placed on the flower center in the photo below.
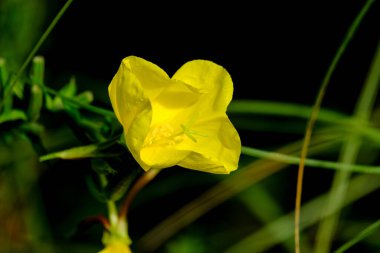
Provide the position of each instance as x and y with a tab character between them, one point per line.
163	135
189	133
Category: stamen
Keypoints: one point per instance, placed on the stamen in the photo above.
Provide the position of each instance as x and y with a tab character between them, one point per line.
164	135
188	133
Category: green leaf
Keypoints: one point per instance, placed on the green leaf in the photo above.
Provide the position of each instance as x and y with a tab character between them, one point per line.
85	97
282	109
102	149
58	103
363	234
13	115
32	127
88	107
49	102
19	89
70	89
73	153
66	99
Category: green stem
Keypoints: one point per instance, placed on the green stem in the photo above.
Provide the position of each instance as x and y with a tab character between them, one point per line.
9	89
4	83
293	160
314	115
36	94
348	156
112	213
365	233
111	205
90	108
264	239
287	110
282	109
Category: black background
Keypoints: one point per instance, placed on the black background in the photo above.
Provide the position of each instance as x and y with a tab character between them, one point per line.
274	50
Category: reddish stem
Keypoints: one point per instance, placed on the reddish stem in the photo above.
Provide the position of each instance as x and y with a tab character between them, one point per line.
136	188
99	218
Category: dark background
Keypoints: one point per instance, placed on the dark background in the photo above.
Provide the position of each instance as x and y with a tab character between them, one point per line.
274	50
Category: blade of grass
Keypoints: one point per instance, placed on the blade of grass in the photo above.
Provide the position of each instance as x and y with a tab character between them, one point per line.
349	153
314	115
280	230
234	184
32	53
286	110
283	109
266	208
366	232
309	162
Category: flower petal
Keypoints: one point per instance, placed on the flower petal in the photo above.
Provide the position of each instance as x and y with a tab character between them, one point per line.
132	108
151	77
217	148
127	96
174	104
136	135
162	157
209	78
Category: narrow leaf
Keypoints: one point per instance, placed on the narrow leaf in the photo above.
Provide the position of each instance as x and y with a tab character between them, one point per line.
363	234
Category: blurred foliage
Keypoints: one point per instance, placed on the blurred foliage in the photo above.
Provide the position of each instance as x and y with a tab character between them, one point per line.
21	23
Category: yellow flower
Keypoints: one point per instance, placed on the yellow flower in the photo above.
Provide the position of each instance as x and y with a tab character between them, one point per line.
176	121
116	247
